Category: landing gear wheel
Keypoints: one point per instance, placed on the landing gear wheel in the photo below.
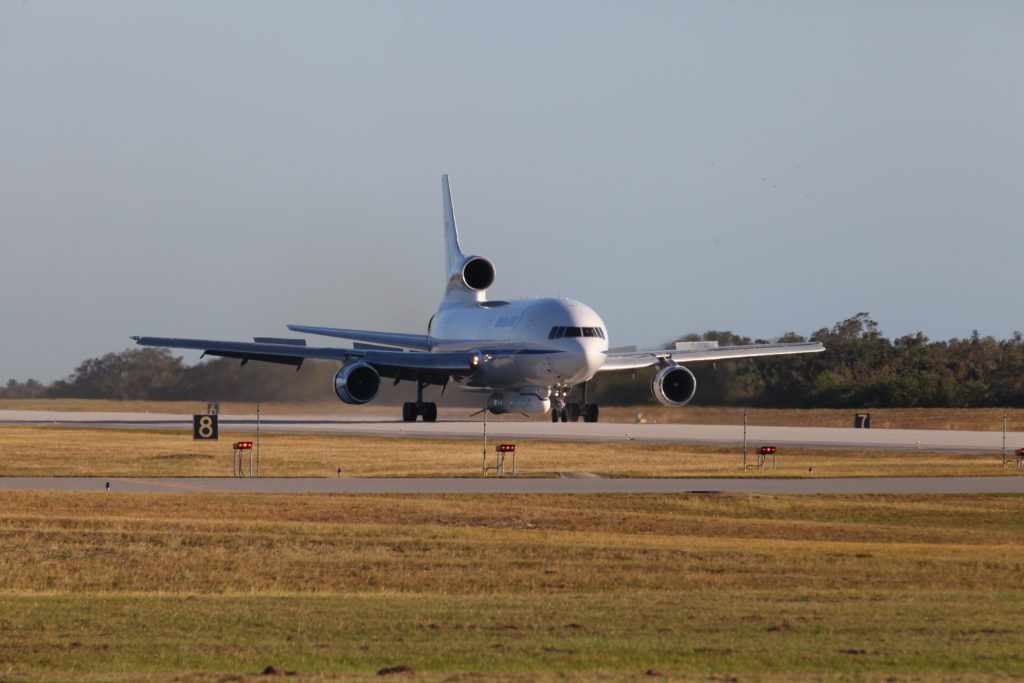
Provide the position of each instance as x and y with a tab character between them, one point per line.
564	414
409	412
429	412
572	411
590	412
554	414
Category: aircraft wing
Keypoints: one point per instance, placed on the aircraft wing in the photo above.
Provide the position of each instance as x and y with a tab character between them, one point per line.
632	360
294	351
409	341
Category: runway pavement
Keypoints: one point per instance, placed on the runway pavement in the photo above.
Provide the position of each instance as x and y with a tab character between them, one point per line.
792	437
508	484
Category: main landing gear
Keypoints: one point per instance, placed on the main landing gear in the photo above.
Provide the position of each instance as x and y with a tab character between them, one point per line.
413	409
572	412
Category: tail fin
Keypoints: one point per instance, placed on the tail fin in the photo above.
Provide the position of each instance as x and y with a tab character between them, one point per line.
453	254
468	276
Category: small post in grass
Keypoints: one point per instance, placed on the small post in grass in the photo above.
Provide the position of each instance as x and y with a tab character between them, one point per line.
484	465
257	444
744	439
1004	437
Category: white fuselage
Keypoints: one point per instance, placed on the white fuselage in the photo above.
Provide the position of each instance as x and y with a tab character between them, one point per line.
539	360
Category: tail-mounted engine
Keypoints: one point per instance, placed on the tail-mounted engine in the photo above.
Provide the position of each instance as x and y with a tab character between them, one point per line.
477	273
674	386
357	383
514	402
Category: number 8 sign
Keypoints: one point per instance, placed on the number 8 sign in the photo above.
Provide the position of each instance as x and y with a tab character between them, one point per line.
204	427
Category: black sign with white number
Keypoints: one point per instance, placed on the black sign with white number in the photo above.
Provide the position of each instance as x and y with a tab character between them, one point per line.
204	427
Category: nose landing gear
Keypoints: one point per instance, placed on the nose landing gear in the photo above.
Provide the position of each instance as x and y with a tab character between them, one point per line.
572	412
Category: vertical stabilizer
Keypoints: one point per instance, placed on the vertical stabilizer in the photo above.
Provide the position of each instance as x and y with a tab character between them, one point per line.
453	254
468	276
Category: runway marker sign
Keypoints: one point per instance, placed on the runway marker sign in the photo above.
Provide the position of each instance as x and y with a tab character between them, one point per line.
204	427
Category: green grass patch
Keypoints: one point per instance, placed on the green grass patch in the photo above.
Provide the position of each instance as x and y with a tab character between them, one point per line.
108	586
759	633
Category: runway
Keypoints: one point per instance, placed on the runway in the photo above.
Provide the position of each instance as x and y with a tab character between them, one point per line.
508	484
791	437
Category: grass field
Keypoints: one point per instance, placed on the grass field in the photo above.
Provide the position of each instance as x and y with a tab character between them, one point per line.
191	587
71	451
531	587
980	419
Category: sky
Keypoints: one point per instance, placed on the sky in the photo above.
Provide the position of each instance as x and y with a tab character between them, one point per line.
221	169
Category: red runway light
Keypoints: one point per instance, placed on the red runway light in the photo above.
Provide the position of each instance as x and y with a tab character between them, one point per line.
507	448
243	445
768	450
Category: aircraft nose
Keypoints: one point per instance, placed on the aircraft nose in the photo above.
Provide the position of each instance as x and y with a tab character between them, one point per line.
595	358
579	359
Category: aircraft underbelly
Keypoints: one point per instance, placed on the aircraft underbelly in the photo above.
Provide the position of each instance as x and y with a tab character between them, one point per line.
512	370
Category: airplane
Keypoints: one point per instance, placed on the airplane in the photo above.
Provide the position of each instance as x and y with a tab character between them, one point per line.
526	354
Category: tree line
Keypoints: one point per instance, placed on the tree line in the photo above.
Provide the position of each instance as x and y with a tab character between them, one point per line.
860	368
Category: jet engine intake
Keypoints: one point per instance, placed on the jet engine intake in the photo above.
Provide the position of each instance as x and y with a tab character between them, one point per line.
674	386
357	383
478	273
514	402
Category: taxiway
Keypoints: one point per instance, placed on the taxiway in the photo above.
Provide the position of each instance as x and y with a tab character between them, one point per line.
790	437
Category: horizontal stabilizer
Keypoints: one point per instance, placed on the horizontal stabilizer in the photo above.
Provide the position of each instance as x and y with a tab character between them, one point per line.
696	345
360	346
409	341
276	340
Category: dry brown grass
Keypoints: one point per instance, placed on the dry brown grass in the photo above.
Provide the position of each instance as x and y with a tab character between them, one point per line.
196	544
170	587
88	451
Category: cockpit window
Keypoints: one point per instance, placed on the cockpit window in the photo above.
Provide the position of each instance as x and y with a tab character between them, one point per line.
559	332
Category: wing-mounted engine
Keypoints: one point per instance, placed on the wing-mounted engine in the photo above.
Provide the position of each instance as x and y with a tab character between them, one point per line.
357	383
674	386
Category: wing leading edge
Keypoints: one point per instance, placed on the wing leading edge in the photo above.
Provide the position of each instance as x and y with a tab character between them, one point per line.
392	362
633	360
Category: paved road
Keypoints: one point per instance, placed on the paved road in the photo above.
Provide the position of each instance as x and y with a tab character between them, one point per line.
793	437
1008	484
